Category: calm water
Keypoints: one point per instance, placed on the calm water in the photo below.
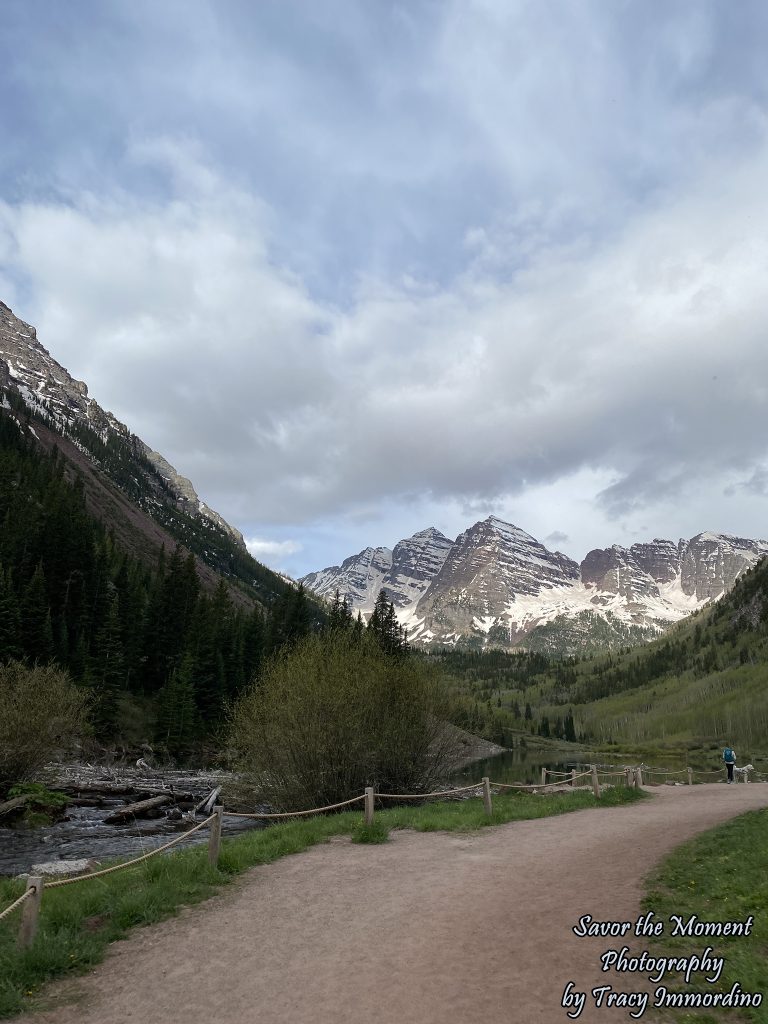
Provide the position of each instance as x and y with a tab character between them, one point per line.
525	764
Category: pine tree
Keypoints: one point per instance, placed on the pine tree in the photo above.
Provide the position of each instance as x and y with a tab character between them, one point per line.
108	667
340	615
177	719
384	626
569	730
290	620
9	618
36	628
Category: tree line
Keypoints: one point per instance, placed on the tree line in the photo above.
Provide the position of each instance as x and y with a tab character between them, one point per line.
122	628
146	641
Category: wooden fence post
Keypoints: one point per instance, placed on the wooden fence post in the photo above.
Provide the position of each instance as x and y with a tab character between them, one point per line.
573	776
214	837
369	805
30	912
595	782
690	776
487	796
543	776
639	777
628	778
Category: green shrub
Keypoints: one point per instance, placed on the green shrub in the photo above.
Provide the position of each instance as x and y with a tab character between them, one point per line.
41	710
336	714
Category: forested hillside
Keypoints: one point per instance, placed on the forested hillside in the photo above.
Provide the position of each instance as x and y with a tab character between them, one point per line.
161	645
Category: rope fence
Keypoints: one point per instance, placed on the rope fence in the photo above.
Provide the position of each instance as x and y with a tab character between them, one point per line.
425	796
297	814
129	863
537	786
17	903
31	898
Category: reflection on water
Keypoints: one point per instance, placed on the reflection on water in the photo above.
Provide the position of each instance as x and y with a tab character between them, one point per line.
524	764
519	765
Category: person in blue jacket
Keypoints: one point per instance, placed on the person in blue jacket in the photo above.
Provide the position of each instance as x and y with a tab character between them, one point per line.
729	756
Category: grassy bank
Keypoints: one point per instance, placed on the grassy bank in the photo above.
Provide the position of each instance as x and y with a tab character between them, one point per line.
78	922
720	876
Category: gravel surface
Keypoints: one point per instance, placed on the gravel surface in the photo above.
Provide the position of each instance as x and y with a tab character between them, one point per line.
426	929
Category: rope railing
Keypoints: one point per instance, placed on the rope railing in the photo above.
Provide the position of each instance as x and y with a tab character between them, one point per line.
425	796
129	863
539	785
296	814
17	903
36	885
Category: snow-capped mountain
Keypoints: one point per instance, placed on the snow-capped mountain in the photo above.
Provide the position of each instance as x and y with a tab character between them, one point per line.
404	572
47	388
497	584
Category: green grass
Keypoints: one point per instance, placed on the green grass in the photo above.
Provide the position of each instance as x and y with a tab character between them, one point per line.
720	876
78	922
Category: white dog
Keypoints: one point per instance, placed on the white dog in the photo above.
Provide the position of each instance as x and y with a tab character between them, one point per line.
742	773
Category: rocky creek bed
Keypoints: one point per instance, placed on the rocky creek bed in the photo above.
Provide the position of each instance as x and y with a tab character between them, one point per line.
97	793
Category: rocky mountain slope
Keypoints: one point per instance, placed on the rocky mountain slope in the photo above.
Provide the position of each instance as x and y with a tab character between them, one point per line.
498	585
404	572
130	487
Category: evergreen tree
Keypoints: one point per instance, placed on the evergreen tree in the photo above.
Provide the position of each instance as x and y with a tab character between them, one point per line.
358	627
290	620
108	666
340	616
36	628
177	719
569	729
9	618
384	626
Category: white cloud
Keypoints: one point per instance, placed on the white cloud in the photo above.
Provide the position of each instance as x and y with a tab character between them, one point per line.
643	359
271	549
417	262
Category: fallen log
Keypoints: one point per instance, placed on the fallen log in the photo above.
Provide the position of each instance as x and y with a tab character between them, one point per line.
129	789
12	805
206	804
137	810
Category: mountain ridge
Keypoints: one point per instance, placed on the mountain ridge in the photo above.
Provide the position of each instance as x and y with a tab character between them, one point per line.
497	585
152	505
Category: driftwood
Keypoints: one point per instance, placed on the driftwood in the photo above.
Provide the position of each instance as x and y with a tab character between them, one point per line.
206	804
127	789
12	805
137	810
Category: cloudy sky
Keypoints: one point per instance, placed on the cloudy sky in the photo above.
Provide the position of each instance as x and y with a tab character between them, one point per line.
360	267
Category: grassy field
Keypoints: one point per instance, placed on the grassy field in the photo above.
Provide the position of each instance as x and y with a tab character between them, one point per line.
720	876
78	922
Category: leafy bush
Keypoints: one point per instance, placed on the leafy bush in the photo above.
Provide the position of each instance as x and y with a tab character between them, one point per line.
40	710
336	714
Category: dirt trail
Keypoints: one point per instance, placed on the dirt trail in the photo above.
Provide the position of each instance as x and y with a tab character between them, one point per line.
422	930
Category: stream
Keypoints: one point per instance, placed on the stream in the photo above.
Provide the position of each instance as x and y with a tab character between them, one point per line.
84	834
